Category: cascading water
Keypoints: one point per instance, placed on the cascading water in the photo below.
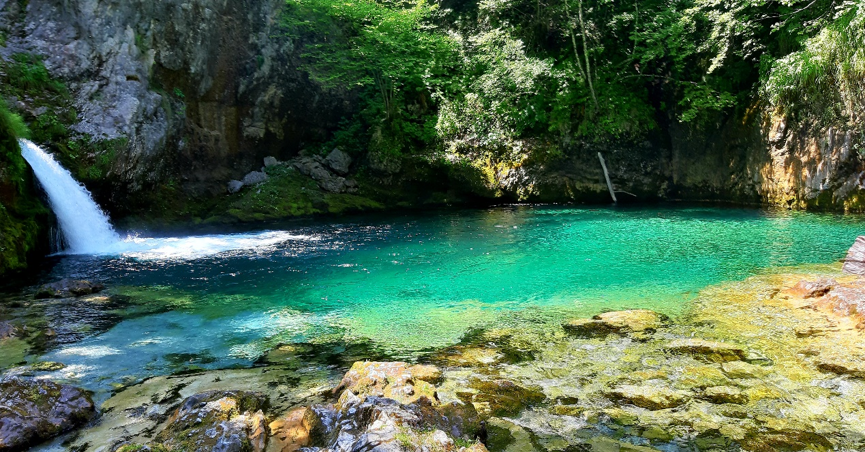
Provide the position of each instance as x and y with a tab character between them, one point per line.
84	226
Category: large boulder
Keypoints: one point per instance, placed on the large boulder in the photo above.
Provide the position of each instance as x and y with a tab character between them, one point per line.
32	411
254	177
338	161
854	263
68	288
218	421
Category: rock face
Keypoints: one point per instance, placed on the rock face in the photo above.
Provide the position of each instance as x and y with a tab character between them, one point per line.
34	411
68	288
854	263
191	86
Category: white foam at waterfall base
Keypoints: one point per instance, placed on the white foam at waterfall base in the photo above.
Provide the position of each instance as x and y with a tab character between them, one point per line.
86	229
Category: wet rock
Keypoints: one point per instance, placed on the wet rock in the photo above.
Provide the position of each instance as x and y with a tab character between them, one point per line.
218	420
338	161
271	161
68	288
395	380
702	377
741	370
32	411
505	435
8	330
621	322
459	419
711	351
725	394
234	186
854	263
813	289
294	430
254	177
504	397
841	364
845	301
652	397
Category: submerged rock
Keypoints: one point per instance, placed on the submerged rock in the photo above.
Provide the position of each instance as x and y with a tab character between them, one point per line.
712	351
501	397
620	322
68	288
271	161
725	394
32	411
649	396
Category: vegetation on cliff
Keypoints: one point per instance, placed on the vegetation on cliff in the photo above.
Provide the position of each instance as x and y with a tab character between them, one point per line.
21	213
505	79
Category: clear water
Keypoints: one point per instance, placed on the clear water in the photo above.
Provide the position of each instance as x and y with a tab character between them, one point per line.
411	283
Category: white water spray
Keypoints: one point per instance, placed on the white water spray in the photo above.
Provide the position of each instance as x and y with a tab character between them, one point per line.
86	229
84	226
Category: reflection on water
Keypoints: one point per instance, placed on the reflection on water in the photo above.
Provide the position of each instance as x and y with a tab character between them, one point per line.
410	283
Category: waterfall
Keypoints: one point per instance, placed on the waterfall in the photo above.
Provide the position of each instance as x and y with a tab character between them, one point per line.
84	225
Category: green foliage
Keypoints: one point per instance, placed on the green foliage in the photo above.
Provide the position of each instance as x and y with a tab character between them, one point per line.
12	165
826	79
28	73
502	80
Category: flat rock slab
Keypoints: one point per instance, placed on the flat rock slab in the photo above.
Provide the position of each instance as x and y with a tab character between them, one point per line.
32	411
725	394
712	351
